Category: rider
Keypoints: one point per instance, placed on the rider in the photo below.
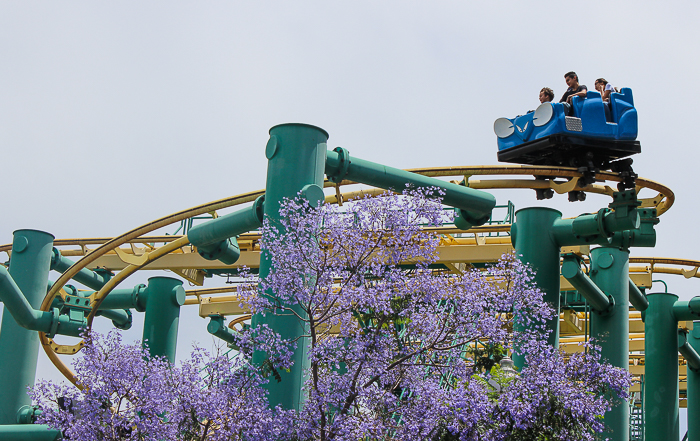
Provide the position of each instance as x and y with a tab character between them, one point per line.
546	95
575	89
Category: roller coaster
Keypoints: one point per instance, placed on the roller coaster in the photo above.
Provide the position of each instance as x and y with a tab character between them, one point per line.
583	266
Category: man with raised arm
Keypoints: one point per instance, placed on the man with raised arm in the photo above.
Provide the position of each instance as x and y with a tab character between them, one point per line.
575	89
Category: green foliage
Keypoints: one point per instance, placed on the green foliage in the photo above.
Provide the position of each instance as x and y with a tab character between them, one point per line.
487	355
268	368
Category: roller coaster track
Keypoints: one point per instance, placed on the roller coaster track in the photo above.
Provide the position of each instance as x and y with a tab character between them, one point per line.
560	179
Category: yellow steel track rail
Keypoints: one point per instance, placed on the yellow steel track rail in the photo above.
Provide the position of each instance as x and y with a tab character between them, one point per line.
547	175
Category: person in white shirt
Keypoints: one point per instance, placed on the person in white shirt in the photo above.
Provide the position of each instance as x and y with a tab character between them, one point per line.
605	88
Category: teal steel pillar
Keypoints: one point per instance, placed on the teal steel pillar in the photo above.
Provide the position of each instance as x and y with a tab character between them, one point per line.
29	432
164	297
89	278
19	347
536	246
296	156
694	388
610	272
661	368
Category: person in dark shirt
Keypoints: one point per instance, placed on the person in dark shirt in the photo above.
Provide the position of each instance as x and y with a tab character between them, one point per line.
575	89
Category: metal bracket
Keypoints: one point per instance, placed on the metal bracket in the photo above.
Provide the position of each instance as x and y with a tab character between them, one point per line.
689	273
130	258
54	323
344	158
564	187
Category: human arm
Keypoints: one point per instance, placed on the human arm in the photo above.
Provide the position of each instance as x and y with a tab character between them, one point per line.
582	91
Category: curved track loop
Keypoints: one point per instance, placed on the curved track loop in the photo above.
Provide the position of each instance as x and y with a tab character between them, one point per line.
665	199
662	202
655	261
145	229
237	321
52	349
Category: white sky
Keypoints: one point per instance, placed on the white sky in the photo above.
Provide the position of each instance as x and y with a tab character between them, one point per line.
113	114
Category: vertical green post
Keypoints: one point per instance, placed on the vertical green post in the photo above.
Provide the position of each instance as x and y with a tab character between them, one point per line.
164	297
536	246
610	272
694	388
661	368
19	347
296	156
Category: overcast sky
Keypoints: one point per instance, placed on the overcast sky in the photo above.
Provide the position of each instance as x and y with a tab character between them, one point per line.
113	114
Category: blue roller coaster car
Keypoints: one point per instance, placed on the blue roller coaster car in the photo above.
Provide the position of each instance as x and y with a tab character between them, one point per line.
588	133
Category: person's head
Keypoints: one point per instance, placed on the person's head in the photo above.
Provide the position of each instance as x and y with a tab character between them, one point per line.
546	95
600	84
571	79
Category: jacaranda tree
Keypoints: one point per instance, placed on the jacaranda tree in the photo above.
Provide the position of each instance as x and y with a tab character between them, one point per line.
125	394
393	346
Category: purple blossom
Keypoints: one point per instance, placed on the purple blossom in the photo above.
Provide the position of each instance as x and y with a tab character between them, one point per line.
388	333
128	395
391	339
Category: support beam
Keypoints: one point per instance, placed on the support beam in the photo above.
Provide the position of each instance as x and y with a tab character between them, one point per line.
541	252
694	388
92	279
134	298
296	156
661	360
121	318
473	206
637	298
216	239
599	301
164	297
29	432
610	273
539	233
19	347
218	328
49	322
18	307
687	309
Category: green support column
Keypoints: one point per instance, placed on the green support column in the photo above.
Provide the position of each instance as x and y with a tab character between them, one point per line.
661	368
19	347
29	432
610	272
164	297
535	246
296	156
694	388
